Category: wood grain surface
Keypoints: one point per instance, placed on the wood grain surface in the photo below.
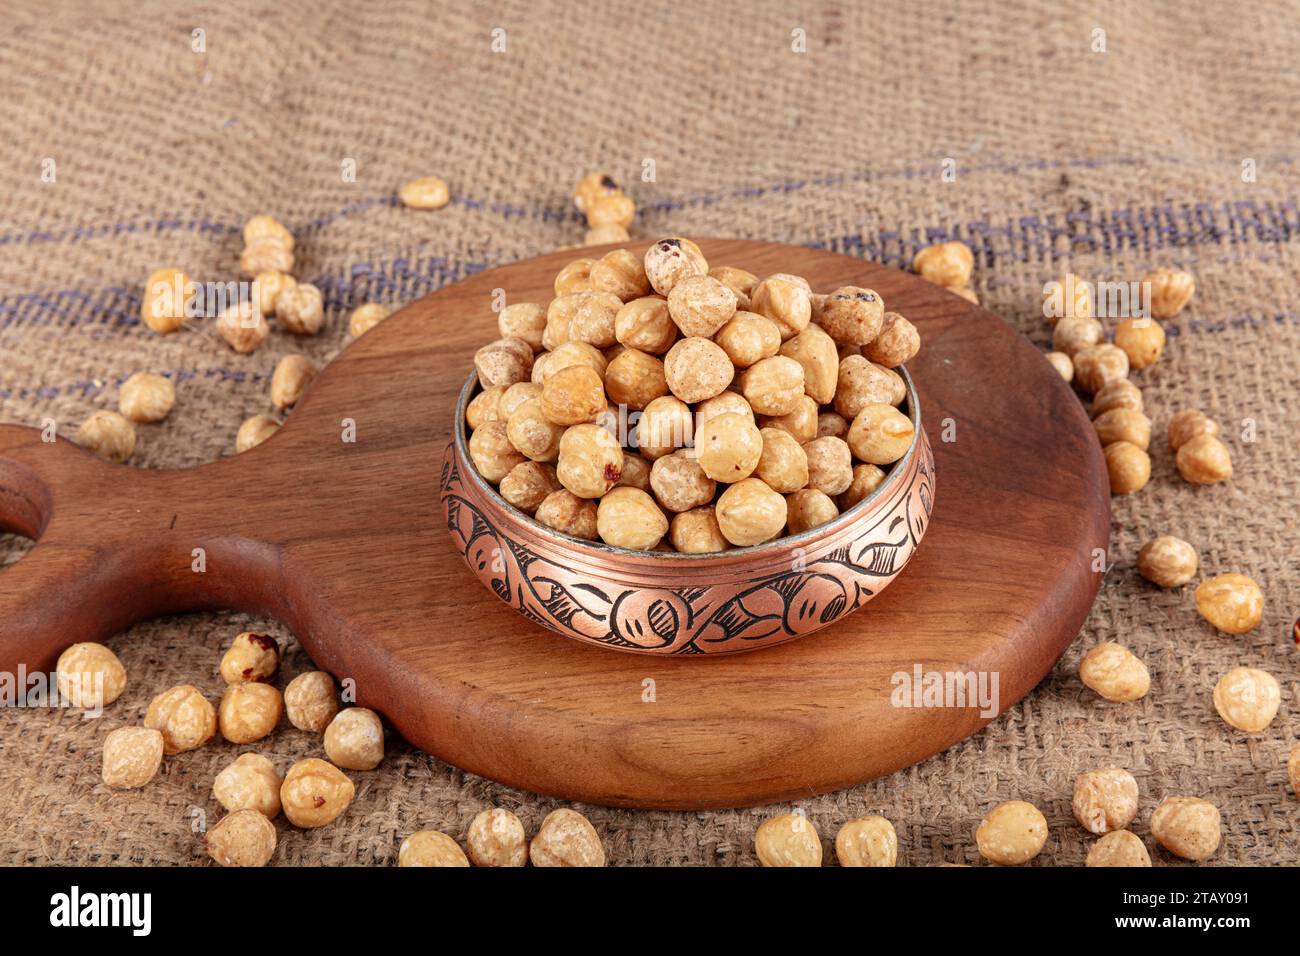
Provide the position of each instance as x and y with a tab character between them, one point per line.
345	543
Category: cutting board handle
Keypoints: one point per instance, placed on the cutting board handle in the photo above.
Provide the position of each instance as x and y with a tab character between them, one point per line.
116	544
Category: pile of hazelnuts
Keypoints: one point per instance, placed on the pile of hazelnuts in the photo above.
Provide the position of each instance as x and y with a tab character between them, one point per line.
658	404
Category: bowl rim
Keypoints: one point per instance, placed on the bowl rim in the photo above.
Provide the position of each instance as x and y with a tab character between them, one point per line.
892	480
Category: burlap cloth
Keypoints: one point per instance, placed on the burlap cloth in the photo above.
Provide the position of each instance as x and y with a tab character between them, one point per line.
1103	163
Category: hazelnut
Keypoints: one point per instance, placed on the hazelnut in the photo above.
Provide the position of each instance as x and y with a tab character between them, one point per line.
749	513
945	263
832	424
862	383
701	305
566	512
492	453
89	675
728	447
145	397
870	841
1119	848
242	327
311	701
427	192
1127	466
783	464
697	369
528	483
592	318
1072	336
590	462
635	379
898	342
629	518
815	351
1187	826
504	362
697	532
1098	366
604	235
1011	833
1204	460
292	375
866	479
646	324
1167	561
1247	698
616	209
1293	770
108	435
574	277
636	472
773	386
250	782
1105	800
566	838
1142	341
496	838
1188	424
354	739
880	435
1063	364
1115	672
1232	603
132	756
830	464
167	293
788	303
266	254
1123	424
267	287
523	320
620	273
531	431
679	482
314	793
267	227
184	717
592	187
808	508
366	316
249	712
507	401
254	431
853	316
430	848
788	840
244	838
747	338
301	309
1121	394
801	423
1171	289
670	260
251	657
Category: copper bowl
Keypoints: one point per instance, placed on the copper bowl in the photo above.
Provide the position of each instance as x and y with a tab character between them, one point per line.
652	602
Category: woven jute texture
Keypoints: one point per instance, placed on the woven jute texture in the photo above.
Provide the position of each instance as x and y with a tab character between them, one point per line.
1104	162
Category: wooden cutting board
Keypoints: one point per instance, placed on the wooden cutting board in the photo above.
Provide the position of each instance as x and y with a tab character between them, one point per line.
345	542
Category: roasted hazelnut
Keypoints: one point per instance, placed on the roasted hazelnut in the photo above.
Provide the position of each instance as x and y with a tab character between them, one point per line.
830	464
861	383
783	464
251	657
646	324
870	841
315	793
816	352
354	739
1127	466
132	756
242	328
866	479
801	423
249	711
594	186
486	407
108	435
267	227
590	462
679	483
430	848
292	375
1063	364
738	281
697	532
1167	561
748	337
636	472
1171	289
807	508
786	302
89	675
1233	603
523	320
697	369
1123	424
1115	672
184	717
1204	460
898	342
1187	826
605	235
853	315
635	379
427	192
566	838
492	453
1121	394
726	403
1189	424
1247	698
1105	800
528	483
832	424
1011	833
945	263
244	838
250	782
167	293
366	316
1119	848
629	518
1098	366
1072	336
615	209
570	354
701	305
749	513
567	513
670	260
1142	340
592	318
773	386
496	838
254	431
880	434
504	362
301	309
728	447
664	426
788	840
266	254
574	277
145	397
620	273
311	701
531	431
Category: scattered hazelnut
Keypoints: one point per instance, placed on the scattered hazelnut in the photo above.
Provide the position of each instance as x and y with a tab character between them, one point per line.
145	397
314	793
244	838
251	657
132	756
167	293
354	739
1187	826
1247	698
1167	561
1105	800
1115	672
427	192
430	848
254	431
301	309
108	435
1233	603
788	840
496	838
1011	833
250	782
242	327
249	711
1188	424
1171	289
311	701
1204	460
870	841
566	838
292	375
184	717
1119	848
89	675
945	263
1127	466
